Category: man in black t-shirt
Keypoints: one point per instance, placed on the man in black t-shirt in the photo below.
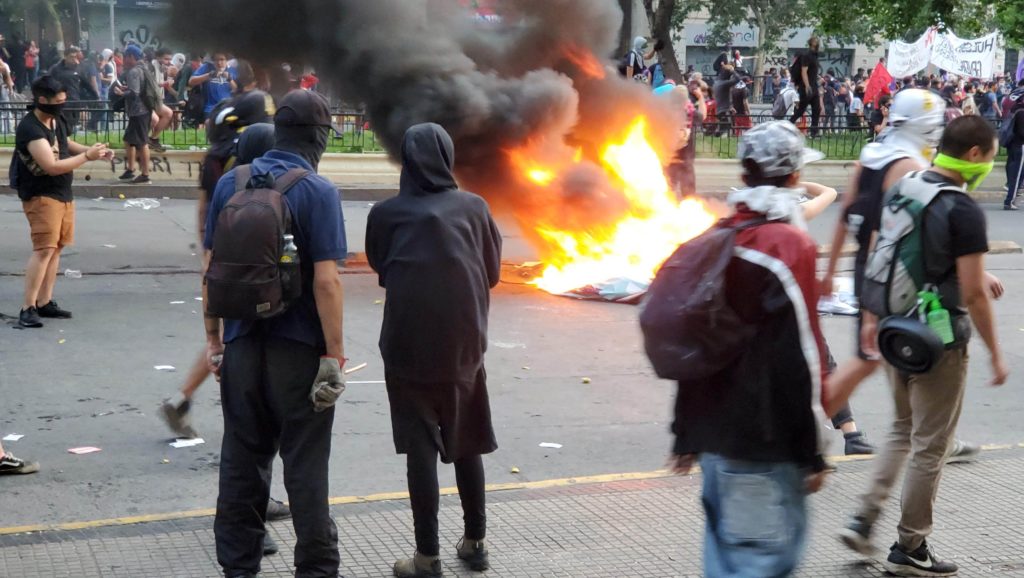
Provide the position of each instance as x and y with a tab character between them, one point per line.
807	85
44	160
928	405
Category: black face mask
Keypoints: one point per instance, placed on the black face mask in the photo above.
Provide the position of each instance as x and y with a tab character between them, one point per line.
309	142
51	109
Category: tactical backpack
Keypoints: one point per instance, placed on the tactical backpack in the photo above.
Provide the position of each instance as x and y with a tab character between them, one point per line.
250	276
895	272
690	330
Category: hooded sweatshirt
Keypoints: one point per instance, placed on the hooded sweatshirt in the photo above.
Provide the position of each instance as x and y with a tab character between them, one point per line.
437	253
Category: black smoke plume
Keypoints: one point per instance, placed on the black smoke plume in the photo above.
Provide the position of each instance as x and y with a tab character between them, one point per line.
528	82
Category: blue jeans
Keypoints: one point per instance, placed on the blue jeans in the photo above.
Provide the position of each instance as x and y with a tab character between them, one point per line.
756	518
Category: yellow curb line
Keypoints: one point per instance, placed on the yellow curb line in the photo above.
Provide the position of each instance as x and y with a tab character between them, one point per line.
392	496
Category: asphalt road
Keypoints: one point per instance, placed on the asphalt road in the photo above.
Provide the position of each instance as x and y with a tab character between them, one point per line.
91	381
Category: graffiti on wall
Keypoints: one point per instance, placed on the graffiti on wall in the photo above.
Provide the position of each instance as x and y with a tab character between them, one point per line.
141	36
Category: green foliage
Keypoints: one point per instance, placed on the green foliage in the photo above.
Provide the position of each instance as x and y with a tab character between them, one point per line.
1009	18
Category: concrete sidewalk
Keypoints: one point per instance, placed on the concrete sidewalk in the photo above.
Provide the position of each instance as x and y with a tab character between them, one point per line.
623	526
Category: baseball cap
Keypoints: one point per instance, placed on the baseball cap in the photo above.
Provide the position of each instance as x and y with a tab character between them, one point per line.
133	51
777	147
107	53
304	108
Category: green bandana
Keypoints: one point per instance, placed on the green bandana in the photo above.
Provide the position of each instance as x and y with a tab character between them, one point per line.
973	173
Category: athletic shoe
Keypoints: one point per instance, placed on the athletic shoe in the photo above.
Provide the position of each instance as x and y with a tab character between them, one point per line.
141	180
419	566
12	466
126	176
857	444
1011	207
54	311
154	143
277	510
857	536
962	452
29	318
269	546
920	562
474	553
178	418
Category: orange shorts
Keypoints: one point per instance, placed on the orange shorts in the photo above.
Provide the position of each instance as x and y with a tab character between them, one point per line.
52	222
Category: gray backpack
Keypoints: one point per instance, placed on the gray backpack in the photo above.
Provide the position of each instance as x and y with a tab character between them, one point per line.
895	271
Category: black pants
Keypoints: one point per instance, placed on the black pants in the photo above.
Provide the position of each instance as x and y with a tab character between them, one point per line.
845	414
424	496
1014	170
265	385
814	101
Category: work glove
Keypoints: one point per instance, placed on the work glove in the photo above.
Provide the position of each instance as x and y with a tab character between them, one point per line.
328	385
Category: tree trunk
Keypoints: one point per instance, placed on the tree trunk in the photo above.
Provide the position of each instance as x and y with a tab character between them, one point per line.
49	9
760	55
660	19
626	32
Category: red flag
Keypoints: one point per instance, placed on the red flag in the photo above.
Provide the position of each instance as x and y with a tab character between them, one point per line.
878	84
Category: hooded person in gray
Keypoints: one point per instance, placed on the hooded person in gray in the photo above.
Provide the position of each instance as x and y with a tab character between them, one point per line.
437	252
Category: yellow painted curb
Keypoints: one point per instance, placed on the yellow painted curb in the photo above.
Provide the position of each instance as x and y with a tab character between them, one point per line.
392	496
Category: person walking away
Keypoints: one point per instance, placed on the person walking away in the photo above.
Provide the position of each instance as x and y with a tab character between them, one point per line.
740	96
755	420
437	253
928	404
218	81
280	376
247	109
1012	136
42	166
805	74
138	106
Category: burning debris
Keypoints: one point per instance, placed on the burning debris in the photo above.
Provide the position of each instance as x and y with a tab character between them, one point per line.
543	129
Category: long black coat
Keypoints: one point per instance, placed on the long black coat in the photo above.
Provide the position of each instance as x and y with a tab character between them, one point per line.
437	252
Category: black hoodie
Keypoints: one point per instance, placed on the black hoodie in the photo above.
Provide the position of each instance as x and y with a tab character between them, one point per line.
437	252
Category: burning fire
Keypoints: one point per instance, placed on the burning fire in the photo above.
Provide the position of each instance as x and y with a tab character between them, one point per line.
635	245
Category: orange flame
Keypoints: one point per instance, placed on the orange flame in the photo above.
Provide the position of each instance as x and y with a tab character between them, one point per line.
585	61
636	244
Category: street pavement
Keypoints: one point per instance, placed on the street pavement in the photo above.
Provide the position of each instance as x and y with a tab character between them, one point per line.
91	381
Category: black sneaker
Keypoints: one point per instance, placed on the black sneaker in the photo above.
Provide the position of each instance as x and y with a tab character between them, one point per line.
277	510
154	143
29	318
53	311
269	546
920	562
12	466
857	444
140	180
857	536
126	176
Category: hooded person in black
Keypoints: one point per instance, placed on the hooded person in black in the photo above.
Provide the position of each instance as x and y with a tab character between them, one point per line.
437	252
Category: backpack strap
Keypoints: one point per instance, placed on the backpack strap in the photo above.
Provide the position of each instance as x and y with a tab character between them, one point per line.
242	176
289	180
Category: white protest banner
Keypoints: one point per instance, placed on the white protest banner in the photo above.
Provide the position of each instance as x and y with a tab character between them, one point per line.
906	59
971	58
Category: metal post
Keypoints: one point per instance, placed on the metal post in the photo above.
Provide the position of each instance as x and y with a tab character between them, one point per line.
113	28
78	24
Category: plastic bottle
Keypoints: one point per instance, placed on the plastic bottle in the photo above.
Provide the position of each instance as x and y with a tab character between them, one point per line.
936	316
290	253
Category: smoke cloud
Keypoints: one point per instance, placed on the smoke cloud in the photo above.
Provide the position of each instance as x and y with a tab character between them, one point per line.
525	83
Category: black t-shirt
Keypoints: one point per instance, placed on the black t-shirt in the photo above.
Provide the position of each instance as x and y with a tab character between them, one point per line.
32	180
810	60
71	77
953	227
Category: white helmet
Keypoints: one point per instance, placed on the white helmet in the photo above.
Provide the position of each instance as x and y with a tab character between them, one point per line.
777	147
918	113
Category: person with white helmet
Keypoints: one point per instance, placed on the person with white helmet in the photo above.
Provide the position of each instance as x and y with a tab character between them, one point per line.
755	425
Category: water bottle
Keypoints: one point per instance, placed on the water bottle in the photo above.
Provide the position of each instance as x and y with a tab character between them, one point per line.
936	316
291	276
290	253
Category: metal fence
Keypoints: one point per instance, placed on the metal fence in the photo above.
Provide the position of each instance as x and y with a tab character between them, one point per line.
94	121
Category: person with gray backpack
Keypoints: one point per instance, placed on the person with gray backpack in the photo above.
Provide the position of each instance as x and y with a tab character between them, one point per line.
924	283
